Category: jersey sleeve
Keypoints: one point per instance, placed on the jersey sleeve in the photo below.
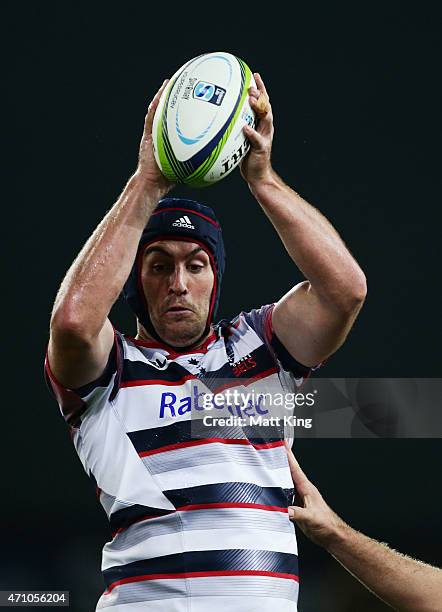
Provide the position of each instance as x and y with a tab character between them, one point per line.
74	403
260	320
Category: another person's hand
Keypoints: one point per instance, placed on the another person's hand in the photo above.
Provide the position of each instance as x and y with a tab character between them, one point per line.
316	519
404	583
256	166
147	166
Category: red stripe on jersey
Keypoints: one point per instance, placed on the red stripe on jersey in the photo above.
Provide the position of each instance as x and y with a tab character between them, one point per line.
249	380
232	505
177	445
152	381
199	575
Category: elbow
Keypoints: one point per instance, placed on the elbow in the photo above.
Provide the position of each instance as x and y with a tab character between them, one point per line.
349	298
68	329
358	291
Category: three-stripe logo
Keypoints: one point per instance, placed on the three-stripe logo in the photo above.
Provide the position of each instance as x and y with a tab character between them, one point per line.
183	222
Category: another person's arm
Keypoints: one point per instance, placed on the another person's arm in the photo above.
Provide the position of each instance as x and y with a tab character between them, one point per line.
403	583
81	335
313	319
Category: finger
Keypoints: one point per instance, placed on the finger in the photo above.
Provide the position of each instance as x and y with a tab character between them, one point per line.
257	141
262	105
260	83
152	108
296	513
254	92
300	480
263	111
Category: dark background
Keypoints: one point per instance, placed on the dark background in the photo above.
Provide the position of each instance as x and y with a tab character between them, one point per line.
356	98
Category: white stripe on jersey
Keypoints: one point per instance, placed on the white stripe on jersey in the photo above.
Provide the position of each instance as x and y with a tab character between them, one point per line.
201	539
215	452
243	600
108	453
208	518
223	472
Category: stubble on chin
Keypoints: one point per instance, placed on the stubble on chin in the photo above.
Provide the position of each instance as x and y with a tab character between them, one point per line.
180	332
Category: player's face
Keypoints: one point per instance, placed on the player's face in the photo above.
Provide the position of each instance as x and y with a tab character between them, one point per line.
177	280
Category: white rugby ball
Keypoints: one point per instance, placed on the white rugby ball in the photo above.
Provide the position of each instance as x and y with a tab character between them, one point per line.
197	128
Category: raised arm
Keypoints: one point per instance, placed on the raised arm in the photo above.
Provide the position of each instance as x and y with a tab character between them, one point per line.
403	583
81	335
313	319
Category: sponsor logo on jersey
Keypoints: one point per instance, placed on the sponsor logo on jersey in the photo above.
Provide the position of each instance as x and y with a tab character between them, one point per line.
173	406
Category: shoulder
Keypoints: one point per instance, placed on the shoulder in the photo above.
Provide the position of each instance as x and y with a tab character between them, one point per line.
257	320
254	327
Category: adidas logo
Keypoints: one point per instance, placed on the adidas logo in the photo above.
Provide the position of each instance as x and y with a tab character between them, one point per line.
183	222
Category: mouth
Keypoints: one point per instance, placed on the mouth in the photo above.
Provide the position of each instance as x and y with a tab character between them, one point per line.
175	310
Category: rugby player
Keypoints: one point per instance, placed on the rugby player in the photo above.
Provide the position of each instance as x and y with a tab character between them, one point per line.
197	524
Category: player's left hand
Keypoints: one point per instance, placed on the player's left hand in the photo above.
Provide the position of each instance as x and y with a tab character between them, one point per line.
256	166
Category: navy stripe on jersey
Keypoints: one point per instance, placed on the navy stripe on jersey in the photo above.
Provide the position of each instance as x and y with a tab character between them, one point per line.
264	365
230	493
193	433
105	378
71	401
138	372
288	362
71	405
205	563
224	495
121	519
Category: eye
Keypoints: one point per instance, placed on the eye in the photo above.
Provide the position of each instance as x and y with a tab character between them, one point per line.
195	268
159	268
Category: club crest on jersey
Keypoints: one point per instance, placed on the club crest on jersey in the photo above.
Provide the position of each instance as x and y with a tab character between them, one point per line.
159	362
243	365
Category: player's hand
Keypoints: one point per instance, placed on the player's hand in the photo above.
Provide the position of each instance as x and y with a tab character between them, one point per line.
256	166
316	519
147	166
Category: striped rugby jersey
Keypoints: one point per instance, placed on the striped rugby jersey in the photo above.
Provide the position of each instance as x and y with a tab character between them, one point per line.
198	523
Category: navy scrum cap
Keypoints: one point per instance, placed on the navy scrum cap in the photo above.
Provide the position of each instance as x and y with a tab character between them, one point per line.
178	219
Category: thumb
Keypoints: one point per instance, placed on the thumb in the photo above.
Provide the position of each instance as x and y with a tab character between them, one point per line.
152	108
257	142
296	513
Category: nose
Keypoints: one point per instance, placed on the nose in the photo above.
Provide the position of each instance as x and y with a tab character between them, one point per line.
178	281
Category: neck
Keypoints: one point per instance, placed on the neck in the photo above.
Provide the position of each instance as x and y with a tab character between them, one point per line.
143	334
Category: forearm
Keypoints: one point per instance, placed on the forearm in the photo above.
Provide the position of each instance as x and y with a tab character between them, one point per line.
312	242
403	583
96	278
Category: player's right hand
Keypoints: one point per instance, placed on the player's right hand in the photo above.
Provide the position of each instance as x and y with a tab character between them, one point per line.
147	166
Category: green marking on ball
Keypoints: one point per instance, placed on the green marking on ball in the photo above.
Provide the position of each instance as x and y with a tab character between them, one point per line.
196	179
